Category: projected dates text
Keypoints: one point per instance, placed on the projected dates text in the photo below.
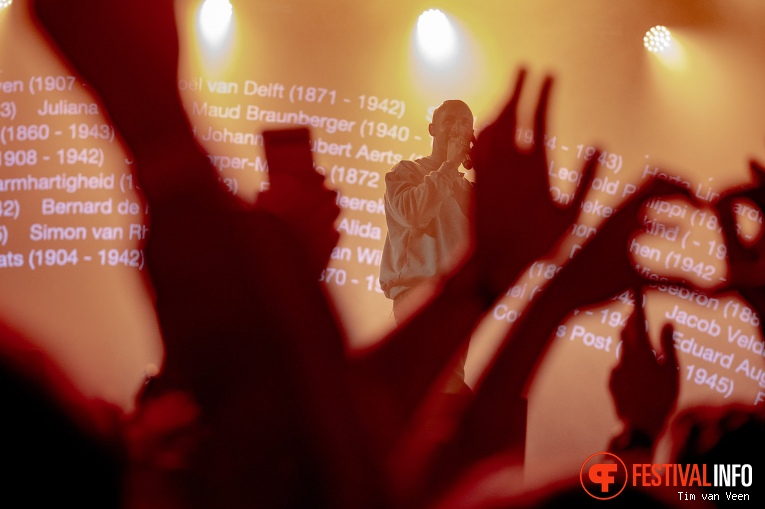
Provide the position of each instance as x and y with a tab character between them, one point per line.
34	132
394	107
340	277
702	377
384	130
46	258
16	158
10	209
95	131
69	156
354	176
39	179
39	84
300	93
8	110
42	132
610	160
88	156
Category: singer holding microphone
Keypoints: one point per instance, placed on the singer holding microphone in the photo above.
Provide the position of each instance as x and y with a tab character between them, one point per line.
427	209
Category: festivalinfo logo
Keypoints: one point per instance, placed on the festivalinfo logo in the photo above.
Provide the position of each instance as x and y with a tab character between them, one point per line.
604	476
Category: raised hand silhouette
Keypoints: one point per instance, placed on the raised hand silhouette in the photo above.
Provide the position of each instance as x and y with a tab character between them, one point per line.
516	221
644	386
601	269
746	263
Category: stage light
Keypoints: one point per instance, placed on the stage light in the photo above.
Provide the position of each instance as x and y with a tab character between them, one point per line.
215	20
5	3
436	37
667	48
657	39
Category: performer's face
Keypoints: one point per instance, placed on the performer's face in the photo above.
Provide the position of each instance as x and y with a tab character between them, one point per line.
452	120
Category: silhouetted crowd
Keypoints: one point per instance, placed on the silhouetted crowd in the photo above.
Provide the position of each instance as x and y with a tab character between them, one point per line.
260	404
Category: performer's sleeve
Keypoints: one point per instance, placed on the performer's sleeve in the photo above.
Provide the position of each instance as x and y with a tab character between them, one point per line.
414	201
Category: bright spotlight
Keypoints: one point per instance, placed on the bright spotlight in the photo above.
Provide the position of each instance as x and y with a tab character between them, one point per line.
215	20
5	3
436	36
657	39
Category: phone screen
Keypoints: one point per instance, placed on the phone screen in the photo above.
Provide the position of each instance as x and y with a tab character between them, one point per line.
288	152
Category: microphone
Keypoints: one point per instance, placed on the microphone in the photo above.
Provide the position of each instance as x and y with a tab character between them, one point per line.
468	163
